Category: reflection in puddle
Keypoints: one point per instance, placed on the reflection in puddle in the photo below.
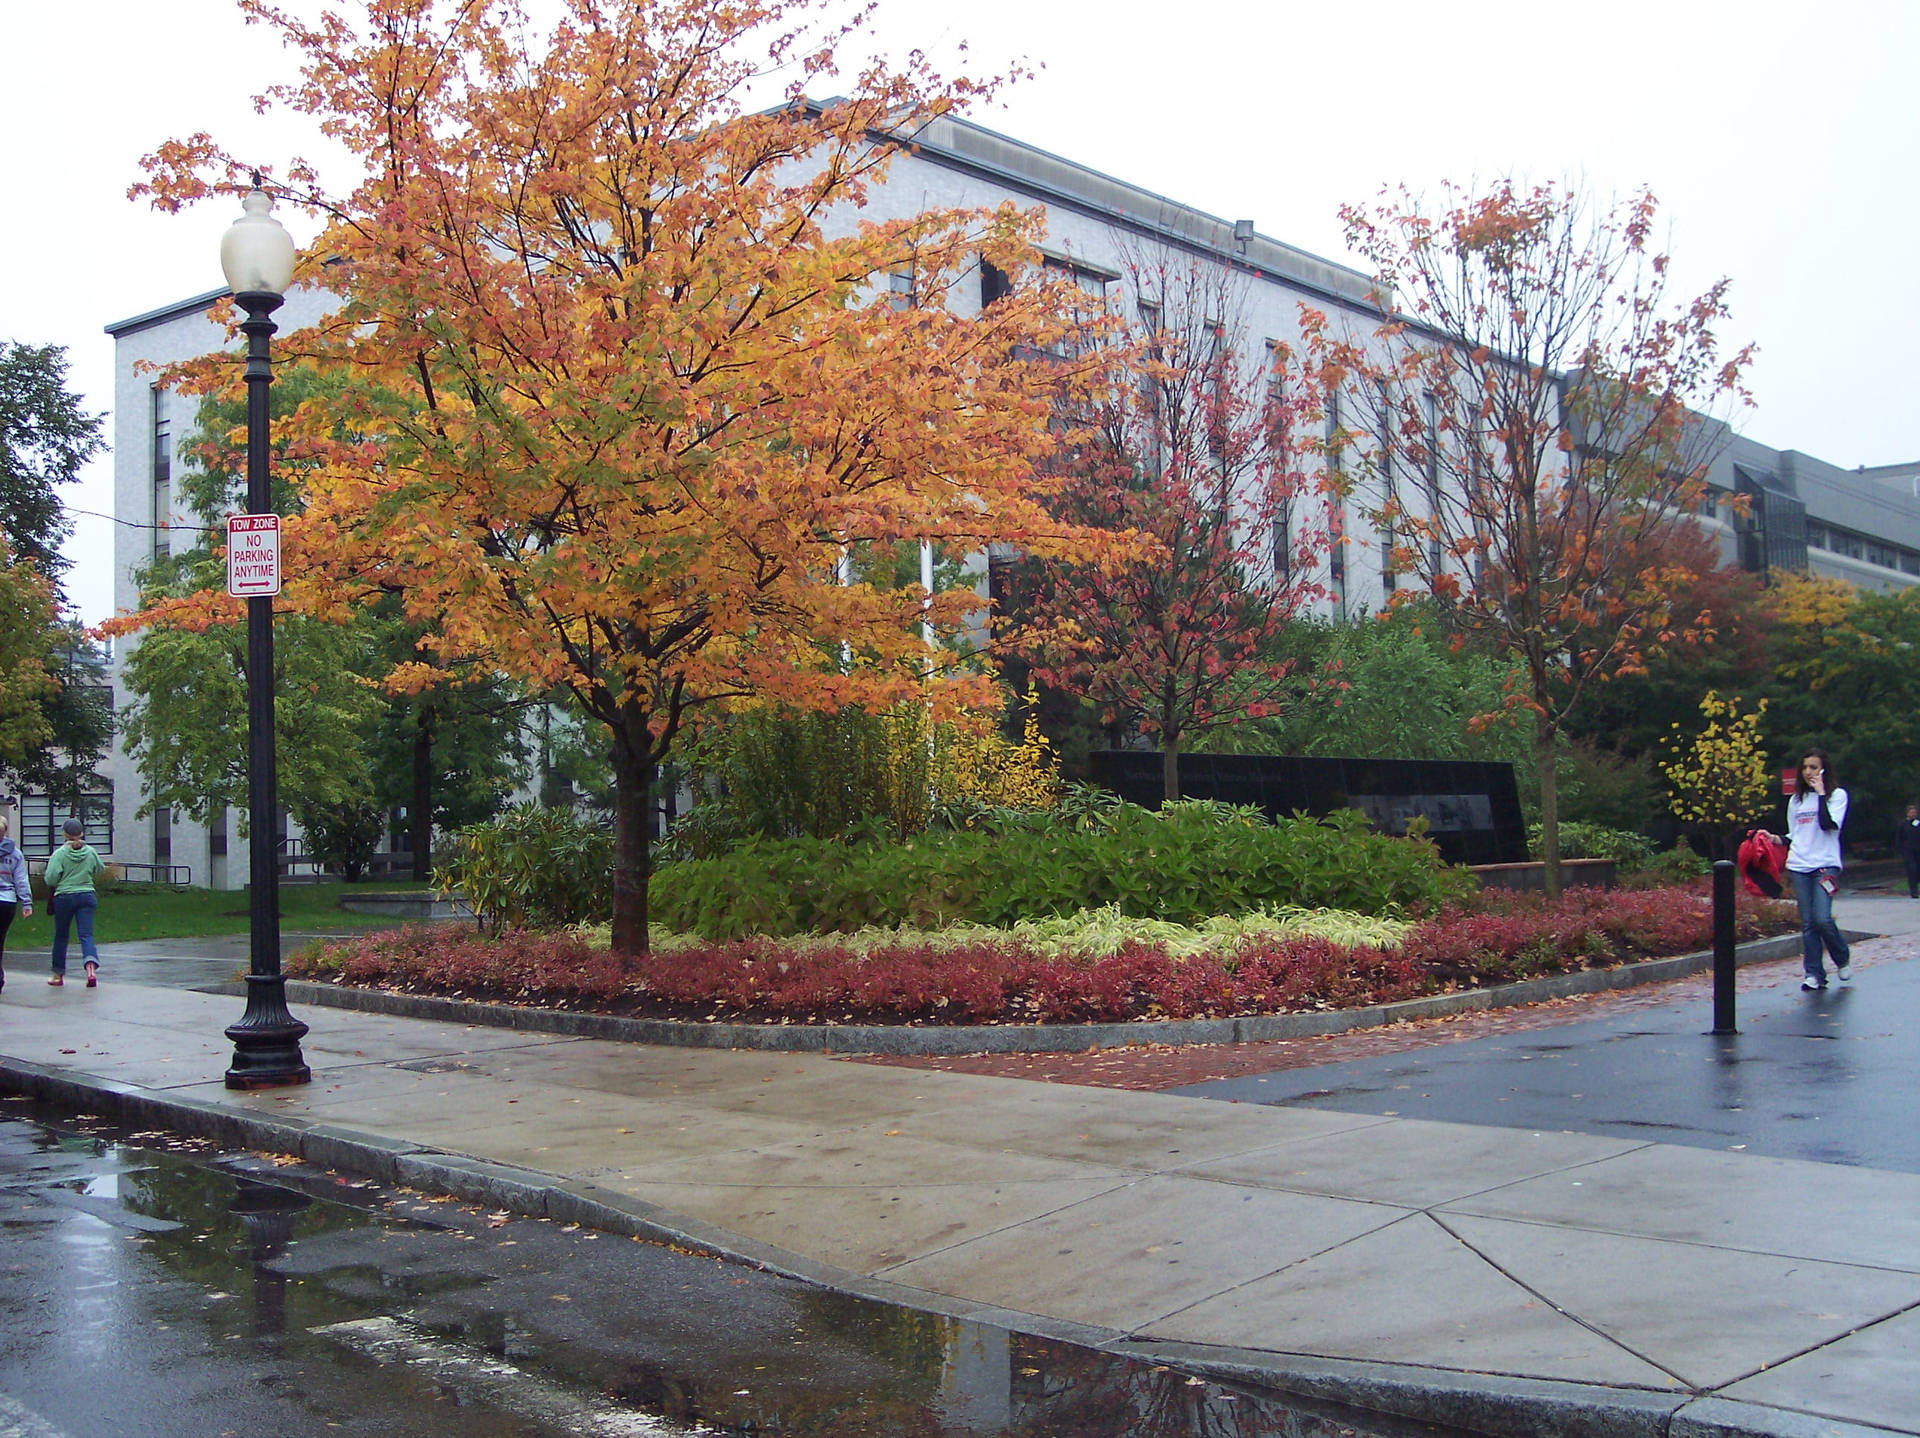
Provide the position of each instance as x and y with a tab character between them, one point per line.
344	1297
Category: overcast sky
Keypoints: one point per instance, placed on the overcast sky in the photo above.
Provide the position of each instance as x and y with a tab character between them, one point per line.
1779	139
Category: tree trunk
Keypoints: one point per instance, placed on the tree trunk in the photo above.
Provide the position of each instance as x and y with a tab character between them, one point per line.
420	810
1170	771
632	850
1546	760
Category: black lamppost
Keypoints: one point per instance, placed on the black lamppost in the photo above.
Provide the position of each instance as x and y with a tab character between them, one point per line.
257	255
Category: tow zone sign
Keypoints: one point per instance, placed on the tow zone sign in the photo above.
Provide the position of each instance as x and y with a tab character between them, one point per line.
253	555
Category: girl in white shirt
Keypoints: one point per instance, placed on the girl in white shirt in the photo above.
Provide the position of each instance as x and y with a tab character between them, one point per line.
1814	815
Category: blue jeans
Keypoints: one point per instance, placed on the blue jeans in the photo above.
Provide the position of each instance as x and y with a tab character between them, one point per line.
1817	925
70	910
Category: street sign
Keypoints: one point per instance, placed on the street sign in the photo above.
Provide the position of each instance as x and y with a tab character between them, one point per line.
1787	778
253	555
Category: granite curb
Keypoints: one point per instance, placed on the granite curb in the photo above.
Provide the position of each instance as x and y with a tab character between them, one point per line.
935	1040
1496	1405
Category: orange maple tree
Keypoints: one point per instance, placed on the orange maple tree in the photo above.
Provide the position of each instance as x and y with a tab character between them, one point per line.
621	374
1534	425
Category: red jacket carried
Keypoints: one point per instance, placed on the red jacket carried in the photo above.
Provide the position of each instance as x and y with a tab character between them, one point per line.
1762	859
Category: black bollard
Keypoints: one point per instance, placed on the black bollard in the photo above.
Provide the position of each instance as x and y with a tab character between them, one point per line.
1723	1019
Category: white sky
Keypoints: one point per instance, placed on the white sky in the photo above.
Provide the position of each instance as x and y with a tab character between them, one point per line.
1780	140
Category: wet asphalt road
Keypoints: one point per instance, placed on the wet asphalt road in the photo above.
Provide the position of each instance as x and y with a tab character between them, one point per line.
1832	1077
152	1285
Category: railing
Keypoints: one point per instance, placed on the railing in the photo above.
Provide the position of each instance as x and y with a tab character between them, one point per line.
177	874
297	864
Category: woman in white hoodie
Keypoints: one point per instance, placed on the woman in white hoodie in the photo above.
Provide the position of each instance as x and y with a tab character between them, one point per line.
16	892
1814	815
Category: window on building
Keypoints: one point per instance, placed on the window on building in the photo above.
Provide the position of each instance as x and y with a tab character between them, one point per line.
1279	442
1389	491
1216	397
1337	558
162	471
1090	282
163	835
900	292
42	822
1336	442
995	283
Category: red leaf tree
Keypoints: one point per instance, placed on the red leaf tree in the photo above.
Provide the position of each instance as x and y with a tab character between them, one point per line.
1190	444
1533	428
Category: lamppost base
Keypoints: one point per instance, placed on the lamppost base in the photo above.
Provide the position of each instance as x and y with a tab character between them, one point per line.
266	1041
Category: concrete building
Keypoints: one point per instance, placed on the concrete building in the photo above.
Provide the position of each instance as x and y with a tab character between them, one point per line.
1860	525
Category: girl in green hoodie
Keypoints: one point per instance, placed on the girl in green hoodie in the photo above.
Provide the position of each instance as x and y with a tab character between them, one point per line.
70	875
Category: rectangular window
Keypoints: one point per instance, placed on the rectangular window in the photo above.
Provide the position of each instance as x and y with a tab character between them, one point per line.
163	835
1430	410
162	471
1279	441
1337	558
42	823
1217	396
1389	492
900	286
1089	282
995	283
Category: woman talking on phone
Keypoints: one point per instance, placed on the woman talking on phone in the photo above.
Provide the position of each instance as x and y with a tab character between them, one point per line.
1814	815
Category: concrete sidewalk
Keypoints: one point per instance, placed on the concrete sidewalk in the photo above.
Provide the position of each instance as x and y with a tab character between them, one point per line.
1501	1280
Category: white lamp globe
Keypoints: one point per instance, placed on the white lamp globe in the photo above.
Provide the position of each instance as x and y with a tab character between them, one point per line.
256	251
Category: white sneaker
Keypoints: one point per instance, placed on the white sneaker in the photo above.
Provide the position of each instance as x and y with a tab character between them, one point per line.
1844	972
1812	984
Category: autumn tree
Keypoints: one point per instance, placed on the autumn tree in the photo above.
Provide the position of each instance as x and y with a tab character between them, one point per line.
620	378
1531	428
1191	446
1718	777
1731	652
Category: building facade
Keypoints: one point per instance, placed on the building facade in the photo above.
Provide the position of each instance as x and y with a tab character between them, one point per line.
1802	513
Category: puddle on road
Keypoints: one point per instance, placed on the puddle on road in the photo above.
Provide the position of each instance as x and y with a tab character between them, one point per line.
534	1328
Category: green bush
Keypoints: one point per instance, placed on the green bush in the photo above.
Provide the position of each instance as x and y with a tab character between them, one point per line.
532	868
1630	851
1185	864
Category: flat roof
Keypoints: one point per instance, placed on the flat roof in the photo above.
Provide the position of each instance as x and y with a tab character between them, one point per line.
167	312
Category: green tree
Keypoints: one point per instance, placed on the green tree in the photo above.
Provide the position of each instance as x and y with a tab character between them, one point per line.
186	725
448	752
45	438
26	683
450	755
1846	678
54	717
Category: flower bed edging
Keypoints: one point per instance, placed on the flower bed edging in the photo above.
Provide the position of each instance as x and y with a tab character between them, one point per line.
931	1040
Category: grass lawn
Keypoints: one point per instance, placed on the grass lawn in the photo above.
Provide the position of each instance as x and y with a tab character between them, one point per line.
129	912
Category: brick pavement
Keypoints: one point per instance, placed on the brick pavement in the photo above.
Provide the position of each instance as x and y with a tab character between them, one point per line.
1154	1067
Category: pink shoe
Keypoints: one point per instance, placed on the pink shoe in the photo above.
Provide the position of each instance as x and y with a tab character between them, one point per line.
92	971
55	981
